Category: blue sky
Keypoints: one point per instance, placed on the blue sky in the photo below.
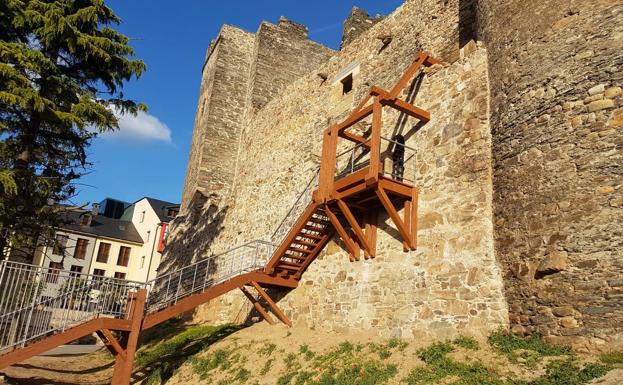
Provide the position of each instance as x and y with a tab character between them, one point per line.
148	156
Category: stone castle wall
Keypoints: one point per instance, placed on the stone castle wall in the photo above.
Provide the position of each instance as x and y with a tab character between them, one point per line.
557	127
519	175
242	72
451	284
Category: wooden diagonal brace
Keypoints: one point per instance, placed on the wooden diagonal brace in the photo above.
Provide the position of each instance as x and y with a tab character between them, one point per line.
111	342
350	244
354	225
391	210
258	306
273	306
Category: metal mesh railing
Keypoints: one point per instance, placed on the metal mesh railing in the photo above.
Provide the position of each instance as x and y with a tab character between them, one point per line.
36	301
302	201
352	159
398	161
167	289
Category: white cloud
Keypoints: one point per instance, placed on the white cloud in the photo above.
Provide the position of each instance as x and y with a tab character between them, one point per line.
142	127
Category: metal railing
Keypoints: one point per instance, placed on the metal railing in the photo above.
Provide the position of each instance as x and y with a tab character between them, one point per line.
36	301
169	288
297	208
354	158
398	161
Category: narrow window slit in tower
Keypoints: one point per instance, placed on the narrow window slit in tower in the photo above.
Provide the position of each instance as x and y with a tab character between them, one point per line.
347	84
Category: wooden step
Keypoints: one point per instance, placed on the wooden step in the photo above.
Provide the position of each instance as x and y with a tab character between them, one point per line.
304	243
319	221
313	228
310	236
297	257
283	266
299	250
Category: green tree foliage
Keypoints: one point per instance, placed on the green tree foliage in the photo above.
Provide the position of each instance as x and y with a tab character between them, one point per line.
62	69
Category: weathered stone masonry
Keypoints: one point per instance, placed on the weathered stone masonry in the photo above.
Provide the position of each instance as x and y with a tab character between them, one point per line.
519	169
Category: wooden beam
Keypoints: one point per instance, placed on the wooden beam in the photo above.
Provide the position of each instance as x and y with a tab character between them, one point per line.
408	74
258	306
111	342
414	207
350	244
396	187
408	109
375	142
371	228
354	225
273	306
122	372
364	101
47	343
191	302
391	210
354	118
355	138
407	220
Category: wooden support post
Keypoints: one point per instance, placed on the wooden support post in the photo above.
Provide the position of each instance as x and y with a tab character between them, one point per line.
371	227
414	204
327	164
122	373
354	225
375	143
407	220
258	306
391	210
350	244
281	315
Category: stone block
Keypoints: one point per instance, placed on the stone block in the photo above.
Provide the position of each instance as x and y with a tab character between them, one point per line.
599	105
563	311
552	263
613	92
598	89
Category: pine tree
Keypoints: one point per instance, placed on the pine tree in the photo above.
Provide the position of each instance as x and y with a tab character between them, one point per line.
62	70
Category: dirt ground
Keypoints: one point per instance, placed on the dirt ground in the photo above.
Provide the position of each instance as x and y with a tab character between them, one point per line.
89	369
251	343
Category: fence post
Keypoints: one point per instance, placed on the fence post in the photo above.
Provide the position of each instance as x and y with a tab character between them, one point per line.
122	373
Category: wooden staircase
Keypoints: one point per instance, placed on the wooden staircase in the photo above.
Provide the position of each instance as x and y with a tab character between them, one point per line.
302	244
345	203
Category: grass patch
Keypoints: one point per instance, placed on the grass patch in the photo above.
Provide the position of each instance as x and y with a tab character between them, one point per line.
242	375
612	358
160	360
306	352
525	350
466	343
267	349
567	372
267	365
291	361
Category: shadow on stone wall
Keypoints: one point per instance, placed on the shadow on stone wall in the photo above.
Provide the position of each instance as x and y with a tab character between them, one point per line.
467	21
192	234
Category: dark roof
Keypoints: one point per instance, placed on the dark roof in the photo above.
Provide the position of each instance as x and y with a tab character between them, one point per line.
161	208
102	226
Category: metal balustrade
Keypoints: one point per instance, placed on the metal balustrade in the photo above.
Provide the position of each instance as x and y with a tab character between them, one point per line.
167	289
354	158
297	208
37	301
402	168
